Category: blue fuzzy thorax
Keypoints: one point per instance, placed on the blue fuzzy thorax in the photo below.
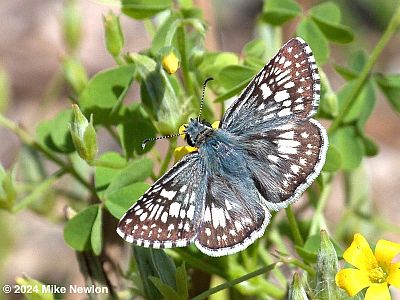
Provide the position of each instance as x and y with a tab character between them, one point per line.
218	149
197	132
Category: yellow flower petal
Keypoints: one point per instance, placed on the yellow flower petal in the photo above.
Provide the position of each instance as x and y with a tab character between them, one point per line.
378	291
352	280
394	275
359	254
385	251
215	125
182	129
180	152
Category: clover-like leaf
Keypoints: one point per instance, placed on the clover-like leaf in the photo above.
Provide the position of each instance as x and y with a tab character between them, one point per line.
277	12
142	9
327	16
314	37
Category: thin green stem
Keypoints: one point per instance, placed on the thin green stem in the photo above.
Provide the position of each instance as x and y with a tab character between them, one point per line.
232	283
37	191
323	199
107	164
301	265
198	263
181	36
168	156
294	227
362	78
26	138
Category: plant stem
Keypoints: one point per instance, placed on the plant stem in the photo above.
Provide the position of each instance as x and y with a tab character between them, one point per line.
168	156
323	199
37	191
233	282
181	36
198	263
107	164
26	138
362	78
294	227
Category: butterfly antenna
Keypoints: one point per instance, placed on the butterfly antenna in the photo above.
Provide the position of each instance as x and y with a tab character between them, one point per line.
145	141
202	96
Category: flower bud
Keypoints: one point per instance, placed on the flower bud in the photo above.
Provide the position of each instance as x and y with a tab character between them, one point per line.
169	60
72	25
113	34
327	267
8	193
75	74
297	291
160	95
83	135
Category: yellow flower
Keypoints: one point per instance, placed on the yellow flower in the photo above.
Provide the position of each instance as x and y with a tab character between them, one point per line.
182	151
375	271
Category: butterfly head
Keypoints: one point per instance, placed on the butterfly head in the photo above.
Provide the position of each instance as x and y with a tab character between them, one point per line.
195	131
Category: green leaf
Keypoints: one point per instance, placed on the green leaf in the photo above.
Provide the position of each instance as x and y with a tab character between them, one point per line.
362	106
213	62
135	126
119	201
96	237
234	75
78	230
310	249
314	37
327	17
36	289
104	91
371	148
165	34
350	146
103	176
168	292
136	171
143	9
54	134
277	12
346	73
145	268
255	48
333	160
160	95
390	86
232	92
181	281
165	267
358	60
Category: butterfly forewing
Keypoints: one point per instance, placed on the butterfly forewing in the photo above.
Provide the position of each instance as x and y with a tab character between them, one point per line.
169	213
267	151
288	86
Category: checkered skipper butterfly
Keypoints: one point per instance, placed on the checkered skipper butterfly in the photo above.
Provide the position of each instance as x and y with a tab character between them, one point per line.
265	153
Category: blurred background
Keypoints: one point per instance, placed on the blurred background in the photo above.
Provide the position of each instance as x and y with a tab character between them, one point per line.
33	89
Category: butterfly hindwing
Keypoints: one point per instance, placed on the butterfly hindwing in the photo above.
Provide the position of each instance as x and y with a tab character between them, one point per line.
169	213
285	160
230	221
287	87
266	152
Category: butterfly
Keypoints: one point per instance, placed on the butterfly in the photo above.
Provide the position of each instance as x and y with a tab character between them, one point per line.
266	151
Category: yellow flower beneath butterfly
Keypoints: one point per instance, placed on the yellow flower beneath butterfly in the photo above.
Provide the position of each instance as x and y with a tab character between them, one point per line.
182	151
375	271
